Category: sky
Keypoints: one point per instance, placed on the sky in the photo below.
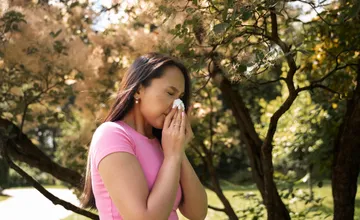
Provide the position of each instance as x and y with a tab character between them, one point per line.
307	12
106	19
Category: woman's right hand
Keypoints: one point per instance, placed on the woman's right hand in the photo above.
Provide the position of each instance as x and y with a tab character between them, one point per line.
173	133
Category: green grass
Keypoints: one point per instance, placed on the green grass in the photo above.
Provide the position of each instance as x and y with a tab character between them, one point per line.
3	197
239	203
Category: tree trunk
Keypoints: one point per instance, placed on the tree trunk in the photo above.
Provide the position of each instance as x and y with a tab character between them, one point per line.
310	182
346	159
217	189
277	209
22	149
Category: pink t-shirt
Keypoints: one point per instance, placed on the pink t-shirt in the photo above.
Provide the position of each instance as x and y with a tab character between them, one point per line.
118	136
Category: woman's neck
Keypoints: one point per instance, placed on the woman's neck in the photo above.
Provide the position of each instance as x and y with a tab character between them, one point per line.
135	120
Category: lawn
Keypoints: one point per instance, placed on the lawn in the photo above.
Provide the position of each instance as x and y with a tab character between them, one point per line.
239	203
3	197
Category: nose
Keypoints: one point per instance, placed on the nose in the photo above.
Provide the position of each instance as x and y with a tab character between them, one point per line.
169	109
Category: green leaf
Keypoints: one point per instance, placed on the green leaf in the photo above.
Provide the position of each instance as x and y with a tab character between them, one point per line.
190	10
29	117
220	28
181	47
58	46
80	75
242	68
246	13
74	4
354	10
54	35
225	12
259	55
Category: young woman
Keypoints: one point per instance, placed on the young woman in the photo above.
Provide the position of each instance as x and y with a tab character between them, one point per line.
137	166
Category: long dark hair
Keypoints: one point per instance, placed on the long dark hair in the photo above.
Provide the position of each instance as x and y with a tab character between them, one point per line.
141	72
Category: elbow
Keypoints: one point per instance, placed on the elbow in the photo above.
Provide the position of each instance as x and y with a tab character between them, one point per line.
198	214
204	210
151	216
203	213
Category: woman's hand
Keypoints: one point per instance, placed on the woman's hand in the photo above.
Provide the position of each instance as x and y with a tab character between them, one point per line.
173	133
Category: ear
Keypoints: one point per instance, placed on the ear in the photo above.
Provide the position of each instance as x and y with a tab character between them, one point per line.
140	92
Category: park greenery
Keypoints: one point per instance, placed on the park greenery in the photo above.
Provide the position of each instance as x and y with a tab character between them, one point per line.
275	91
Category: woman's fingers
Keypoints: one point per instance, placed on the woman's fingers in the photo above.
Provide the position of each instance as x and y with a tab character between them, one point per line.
183	123
169	118
177	119
173	120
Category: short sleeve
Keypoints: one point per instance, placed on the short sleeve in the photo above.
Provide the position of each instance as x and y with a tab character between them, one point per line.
108	138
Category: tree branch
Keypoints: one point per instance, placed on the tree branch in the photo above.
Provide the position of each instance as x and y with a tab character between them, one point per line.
5	140
271	81
114	6
289	82
216	209
24	150
313	86
55	200
312	5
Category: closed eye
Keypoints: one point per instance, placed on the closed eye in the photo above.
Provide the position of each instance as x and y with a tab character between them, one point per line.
181	97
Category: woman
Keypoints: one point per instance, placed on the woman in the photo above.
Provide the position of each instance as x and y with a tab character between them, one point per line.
137	166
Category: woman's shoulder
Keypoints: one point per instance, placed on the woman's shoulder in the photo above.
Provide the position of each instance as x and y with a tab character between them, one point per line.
110	137
110	126
111	129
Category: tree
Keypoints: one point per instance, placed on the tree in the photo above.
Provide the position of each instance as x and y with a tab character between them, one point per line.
224	34
253	64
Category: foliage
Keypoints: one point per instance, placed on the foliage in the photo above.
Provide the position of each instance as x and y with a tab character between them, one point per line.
59	75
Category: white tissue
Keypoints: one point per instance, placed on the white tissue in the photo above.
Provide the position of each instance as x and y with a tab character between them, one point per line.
179	104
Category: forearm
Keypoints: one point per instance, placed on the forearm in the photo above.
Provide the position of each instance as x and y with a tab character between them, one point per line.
195	199
163	194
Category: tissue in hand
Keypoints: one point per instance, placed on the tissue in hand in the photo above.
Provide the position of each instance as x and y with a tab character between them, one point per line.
179	104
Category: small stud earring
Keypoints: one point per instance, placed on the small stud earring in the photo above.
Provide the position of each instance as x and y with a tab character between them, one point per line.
136	101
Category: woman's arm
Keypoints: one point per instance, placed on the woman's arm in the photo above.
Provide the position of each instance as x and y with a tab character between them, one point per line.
195	202
125	181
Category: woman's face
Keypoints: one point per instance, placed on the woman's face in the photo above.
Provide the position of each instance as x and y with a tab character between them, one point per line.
157	99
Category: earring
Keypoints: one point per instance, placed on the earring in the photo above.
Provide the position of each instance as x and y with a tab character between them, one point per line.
136	101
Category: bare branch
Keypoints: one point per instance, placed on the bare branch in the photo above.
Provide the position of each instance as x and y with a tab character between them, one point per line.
216	209
329	74
313	86
289	82
25	151
202	87
184	8
212	4
23	118
114	6
210	121
268	82
55	200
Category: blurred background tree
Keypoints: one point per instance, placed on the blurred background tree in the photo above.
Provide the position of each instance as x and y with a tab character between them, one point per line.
271	91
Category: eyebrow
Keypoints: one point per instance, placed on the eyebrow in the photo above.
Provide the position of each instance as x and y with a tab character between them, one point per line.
174	88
